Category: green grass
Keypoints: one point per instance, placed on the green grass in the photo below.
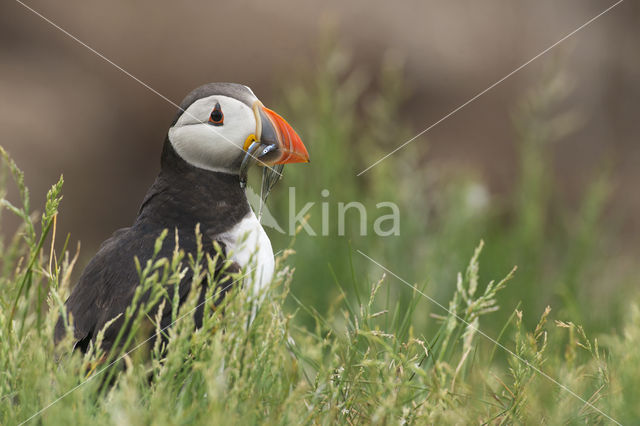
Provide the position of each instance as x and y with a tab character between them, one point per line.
336	340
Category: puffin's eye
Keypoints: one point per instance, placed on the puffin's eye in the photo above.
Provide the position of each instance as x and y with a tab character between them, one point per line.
217	117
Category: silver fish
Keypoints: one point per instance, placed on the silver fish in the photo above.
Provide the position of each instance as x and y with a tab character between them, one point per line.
270	174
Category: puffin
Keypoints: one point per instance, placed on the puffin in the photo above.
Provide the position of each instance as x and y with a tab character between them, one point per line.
220	130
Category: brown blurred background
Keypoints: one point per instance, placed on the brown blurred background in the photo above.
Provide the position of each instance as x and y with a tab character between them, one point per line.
64	110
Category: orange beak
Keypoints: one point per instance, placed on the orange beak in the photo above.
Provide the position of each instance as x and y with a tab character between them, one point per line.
290	144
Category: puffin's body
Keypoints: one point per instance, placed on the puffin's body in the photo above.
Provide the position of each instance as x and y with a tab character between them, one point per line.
200	183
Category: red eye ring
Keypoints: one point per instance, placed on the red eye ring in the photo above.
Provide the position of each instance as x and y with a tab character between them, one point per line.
217	117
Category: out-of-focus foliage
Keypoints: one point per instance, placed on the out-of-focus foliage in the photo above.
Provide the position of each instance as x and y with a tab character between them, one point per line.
350	118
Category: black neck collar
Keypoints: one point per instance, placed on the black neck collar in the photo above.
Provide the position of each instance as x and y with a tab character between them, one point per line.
184	195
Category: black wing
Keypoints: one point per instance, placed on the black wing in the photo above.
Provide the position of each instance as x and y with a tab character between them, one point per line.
108	284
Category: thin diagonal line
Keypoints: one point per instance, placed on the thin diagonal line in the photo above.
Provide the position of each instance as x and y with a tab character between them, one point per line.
572	33
524	361
127	73
67	393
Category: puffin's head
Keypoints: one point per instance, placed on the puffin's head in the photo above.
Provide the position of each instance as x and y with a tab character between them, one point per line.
219	122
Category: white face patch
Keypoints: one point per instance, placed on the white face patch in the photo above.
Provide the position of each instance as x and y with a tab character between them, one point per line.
209	147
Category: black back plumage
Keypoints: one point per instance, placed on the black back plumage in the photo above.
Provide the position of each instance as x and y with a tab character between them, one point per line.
181	197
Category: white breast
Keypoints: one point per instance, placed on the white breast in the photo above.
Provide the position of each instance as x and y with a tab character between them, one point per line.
248	245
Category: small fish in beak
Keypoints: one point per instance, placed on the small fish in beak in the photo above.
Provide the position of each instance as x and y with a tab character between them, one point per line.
276	144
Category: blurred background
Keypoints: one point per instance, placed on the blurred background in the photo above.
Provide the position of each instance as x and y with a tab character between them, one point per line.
543	168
